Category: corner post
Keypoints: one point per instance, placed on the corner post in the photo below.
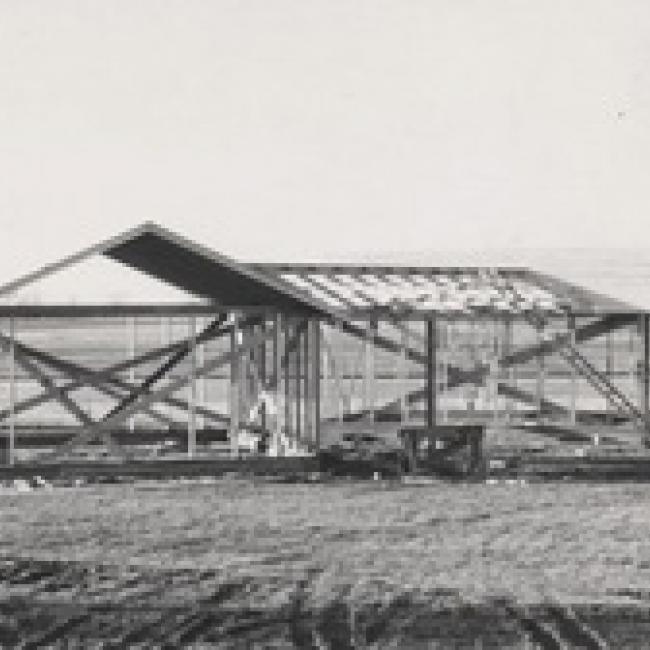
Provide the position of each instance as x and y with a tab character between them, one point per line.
431	372
191	413
12	392
233	433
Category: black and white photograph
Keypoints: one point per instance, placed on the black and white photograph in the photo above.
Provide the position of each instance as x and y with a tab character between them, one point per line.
325	324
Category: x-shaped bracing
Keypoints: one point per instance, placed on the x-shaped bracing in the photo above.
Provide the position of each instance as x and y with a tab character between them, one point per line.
458	376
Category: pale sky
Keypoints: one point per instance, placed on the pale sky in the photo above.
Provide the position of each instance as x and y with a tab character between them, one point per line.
296	129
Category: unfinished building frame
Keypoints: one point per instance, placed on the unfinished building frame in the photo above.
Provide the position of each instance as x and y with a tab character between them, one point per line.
286	359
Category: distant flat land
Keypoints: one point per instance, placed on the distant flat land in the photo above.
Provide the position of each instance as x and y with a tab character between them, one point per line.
255	564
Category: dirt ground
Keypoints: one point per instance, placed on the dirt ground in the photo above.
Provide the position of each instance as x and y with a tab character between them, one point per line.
366	547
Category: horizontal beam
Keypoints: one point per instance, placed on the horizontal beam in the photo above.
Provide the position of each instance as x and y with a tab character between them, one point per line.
381	314
115	310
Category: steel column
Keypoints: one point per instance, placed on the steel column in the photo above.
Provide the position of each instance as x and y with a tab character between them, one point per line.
609	364
12	392
541	371
646	371
191	414
277	419
131	324
235	380
507	349
574	375
368	379
288	411
261	351
431	373
201	393
316	382
495	370
403	378
446	352
298	391
307	416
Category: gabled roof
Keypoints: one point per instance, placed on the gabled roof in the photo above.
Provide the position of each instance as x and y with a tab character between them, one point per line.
212	280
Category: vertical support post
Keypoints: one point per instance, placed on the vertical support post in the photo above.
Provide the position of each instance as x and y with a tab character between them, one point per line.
507	349
446	352
262	368
12	392
574	375
244	374
403	377
298	391
163	340
324	394
541	371
514	375
132	325
316	382
200	360
495	370
233	433
191	413
288	420
431	373
340	383
609	364
277	422
170	327
307	388
646	373
369	372
631	350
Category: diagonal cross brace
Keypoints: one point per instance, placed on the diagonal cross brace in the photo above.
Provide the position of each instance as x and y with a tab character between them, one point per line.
107	374
48	383
144	401
214	328
458	376
72	369
97	378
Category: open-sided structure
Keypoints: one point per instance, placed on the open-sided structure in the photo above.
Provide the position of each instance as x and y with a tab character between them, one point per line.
153	344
